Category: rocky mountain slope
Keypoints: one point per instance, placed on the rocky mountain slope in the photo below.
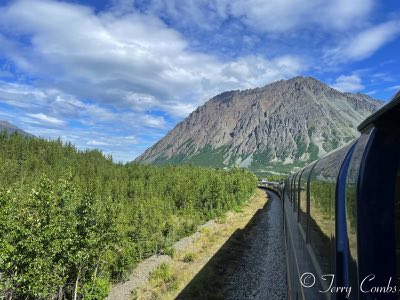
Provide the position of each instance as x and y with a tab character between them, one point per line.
10	128
274	128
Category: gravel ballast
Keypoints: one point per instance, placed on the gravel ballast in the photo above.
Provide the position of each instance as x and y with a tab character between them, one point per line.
261	273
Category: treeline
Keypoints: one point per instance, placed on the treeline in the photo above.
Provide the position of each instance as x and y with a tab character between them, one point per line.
72	222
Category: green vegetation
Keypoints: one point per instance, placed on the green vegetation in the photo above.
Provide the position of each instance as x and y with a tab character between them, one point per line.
330	144
322	195
276	178
207	157
72	222
301	147
189	257
274	171
314	150
261	159
311	131
164	277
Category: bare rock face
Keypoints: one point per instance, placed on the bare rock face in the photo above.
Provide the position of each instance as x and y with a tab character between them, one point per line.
275	128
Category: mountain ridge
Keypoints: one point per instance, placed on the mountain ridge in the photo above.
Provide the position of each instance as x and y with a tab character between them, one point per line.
276	127
11	128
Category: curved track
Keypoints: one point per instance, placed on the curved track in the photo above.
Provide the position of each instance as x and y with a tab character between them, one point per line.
262	270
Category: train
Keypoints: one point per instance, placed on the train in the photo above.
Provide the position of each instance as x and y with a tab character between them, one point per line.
276	187
342	217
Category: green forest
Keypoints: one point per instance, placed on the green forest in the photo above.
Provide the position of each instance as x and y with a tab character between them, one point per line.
73	222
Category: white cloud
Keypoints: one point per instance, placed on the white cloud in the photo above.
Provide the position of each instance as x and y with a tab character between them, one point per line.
45	120
364	43
119	68
272	16
371	39
54	114
348	83
16	94
371	93
151	121
394	88
53	107
133	61
253	71
180	109
344	14
96	143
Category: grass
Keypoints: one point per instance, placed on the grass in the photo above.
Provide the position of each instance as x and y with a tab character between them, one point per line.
170	251
163	281
221	219
209	157
200	270
206	157
189	257
163	274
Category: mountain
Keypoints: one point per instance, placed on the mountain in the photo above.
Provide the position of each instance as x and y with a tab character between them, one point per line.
10	128
272	129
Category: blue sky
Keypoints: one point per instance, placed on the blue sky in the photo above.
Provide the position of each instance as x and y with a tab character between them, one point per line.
117	75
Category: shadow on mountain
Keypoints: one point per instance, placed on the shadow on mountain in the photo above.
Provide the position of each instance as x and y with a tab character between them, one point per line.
212	279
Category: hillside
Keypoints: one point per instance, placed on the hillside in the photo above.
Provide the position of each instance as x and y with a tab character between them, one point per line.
270	129
10	128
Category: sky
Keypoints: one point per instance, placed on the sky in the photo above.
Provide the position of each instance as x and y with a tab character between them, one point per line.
118	75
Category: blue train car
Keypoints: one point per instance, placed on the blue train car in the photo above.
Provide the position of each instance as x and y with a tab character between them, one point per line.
342	217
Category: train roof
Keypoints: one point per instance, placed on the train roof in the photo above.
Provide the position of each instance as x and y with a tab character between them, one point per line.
387	114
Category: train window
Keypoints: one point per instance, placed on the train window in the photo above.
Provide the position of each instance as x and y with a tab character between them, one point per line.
292	190
285	188
321	226
342	247
303	211
397	225
298	192
351	208
295	185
